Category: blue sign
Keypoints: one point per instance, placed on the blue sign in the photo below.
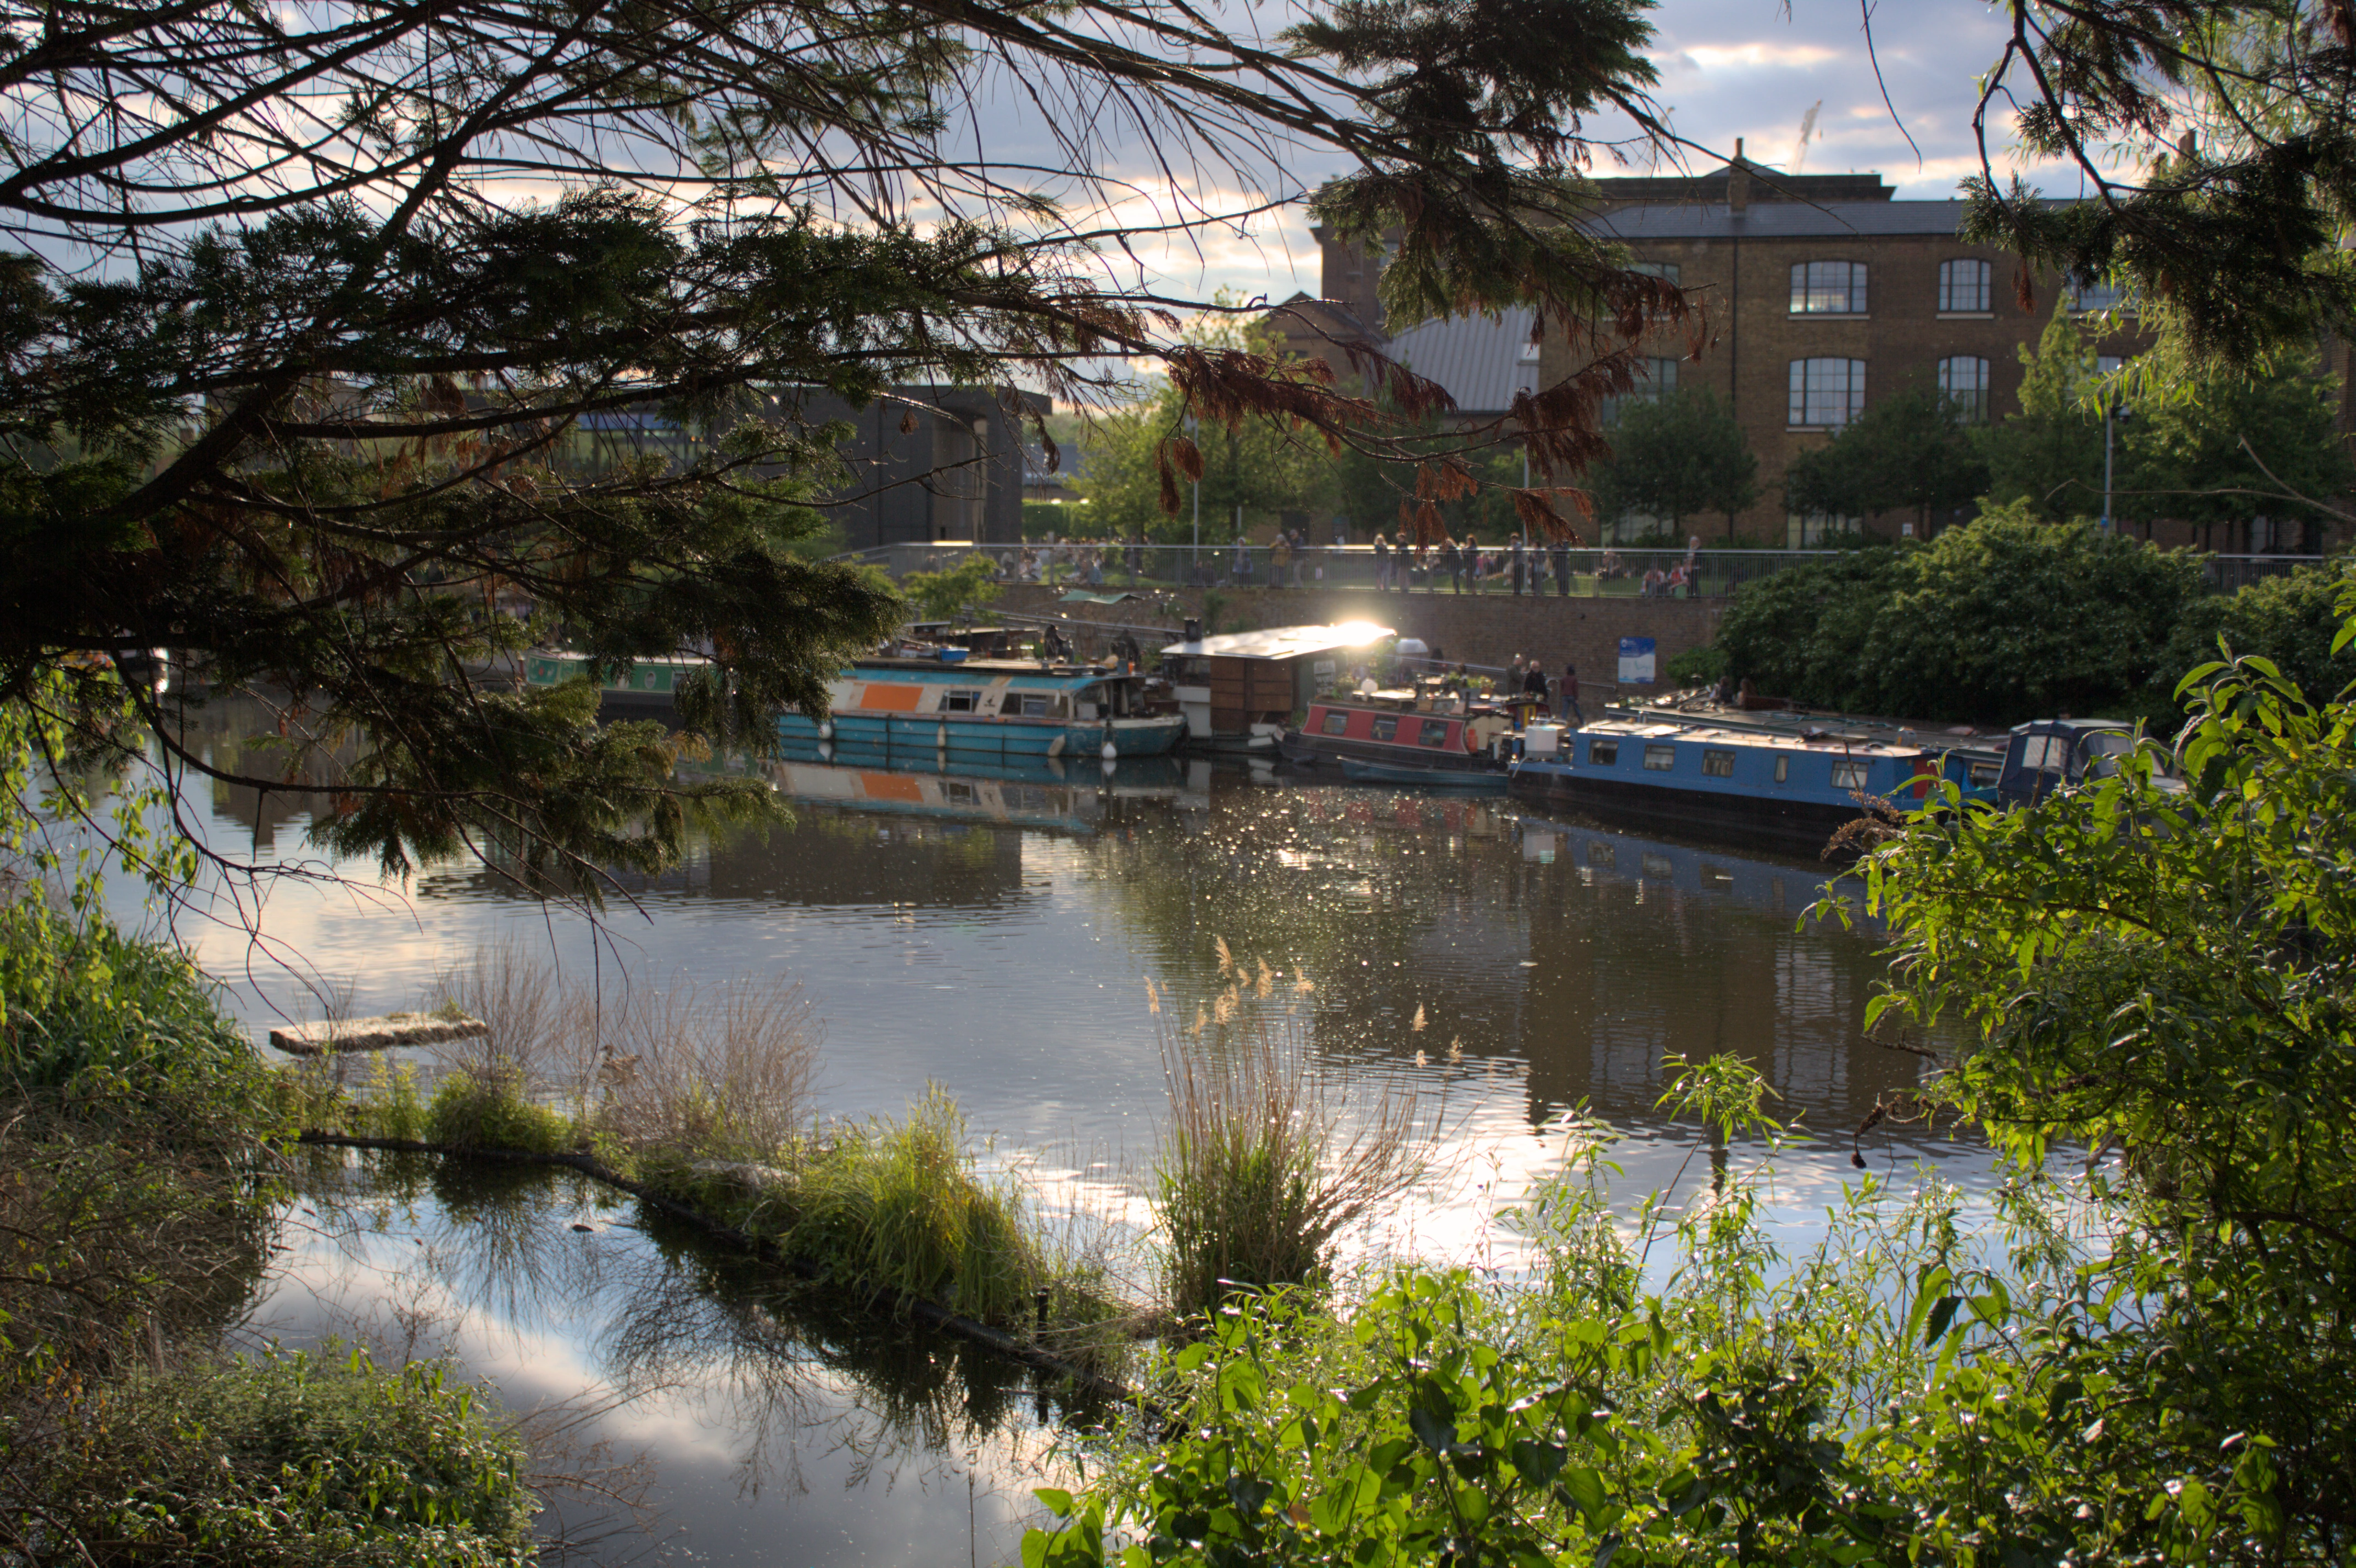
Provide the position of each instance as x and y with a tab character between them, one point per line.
1635	661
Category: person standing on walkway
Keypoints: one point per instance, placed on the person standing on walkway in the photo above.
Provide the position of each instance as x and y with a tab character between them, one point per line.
1382	562
1561	553
1520	565
1568	703
1279	556
1451	560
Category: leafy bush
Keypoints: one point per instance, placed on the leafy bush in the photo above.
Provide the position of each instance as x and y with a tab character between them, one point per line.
1699	667
2289	620
281	1459
1995	622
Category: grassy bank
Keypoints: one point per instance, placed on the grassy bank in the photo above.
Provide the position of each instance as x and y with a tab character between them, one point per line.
137	1177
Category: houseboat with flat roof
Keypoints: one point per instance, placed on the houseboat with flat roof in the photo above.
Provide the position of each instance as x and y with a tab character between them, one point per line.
647	687
1793	788
1240	690
989	708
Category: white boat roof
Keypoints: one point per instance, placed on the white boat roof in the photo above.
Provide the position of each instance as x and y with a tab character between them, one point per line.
1285	642
1846	742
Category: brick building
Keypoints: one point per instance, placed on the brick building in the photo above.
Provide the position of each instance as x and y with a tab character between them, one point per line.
1818	292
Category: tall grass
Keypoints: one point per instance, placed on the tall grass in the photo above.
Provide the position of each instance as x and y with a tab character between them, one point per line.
901	1205
1263	1165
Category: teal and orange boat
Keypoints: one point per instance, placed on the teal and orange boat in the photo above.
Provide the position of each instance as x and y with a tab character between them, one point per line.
999	708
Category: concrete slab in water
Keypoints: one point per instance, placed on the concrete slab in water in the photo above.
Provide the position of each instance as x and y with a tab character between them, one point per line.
377	1034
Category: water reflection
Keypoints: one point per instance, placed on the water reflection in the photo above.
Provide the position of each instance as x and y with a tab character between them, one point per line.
993	929
745	1410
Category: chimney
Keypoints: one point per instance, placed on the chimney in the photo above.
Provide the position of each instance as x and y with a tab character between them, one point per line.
1738	181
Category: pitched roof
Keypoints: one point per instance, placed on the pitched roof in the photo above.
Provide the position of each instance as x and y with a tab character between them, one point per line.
1482	361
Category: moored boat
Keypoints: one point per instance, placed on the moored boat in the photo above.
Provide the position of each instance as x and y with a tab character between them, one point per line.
647	684
990	707
1239	690
1794	789
1410	730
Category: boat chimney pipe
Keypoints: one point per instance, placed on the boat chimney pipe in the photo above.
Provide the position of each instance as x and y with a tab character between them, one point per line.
1194	632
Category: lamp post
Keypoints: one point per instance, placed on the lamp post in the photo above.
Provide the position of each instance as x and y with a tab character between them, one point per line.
1194	562
2115	413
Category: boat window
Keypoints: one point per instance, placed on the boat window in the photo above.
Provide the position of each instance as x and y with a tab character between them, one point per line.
1026	704
1783	770
1849	774
1985	772
1717	764
960	702
2044	754
1385	729
1337	721
1433	734
1603	753
956	793
1659	866
1660	758
1601	854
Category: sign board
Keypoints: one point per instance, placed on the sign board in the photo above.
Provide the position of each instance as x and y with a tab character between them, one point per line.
1323	669
1635	661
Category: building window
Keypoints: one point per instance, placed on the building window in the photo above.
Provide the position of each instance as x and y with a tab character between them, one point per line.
1655	379
1826	392
1664	271
2087	299
1602	754
1810	530
1828	288
1963	381
1962	287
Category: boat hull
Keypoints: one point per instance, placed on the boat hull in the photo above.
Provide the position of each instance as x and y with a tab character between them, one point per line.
1469	780
1313	751
1800	825
958	734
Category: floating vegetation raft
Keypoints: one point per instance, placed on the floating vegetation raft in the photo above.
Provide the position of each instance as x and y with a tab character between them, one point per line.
378	1034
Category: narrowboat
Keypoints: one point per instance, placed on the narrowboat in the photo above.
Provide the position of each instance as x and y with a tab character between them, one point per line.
1240	690
1407	730
987	706
1794	789
647	684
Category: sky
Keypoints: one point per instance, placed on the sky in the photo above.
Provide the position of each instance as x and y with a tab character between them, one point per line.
1752	70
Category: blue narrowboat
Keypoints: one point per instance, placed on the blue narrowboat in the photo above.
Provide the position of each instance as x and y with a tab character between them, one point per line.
995	708
1794	789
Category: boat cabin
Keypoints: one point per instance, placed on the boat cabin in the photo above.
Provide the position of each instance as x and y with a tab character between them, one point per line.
1240	690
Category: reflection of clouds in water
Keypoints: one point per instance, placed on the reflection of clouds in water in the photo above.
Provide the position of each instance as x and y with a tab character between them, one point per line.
768	1427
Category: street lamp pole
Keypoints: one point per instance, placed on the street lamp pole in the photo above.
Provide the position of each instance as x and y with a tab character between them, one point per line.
2113	412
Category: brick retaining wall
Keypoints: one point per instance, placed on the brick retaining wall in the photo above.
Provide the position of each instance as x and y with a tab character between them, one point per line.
1481	629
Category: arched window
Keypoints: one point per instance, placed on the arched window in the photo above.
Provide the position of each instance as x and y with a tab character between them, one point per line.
1962	287
1963	381
1828	288
1826	392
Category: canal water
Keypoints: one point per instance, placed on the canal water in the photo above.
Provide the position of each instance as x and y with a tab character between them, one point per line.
995	933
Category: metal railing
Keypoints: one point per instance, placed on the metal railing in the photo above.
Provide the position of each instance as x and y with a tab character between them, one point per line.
1586	573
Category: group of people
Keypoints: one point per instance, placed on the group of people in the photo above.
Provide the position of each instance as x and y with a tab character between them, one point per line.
1402	565
1559	694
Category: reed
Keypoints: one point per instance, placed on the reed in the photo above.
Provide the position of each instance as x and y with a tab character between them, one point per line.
1263	1165
900	1206
709	1071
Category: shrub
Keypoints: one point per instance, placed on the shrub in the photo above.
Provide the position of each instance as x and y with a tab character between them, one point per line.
1699	667
1995	622
280	1459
